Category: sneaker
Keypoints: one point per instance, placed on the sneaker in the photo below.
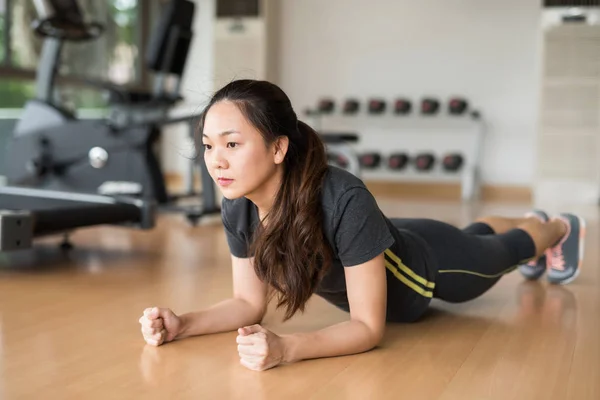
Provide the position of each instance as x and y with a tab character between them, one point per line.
565	259
534	269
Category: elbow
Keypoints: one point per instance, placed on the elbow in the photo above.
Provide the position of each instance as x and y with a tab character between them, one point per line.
254	312
261	311
375	335
376	338
258	314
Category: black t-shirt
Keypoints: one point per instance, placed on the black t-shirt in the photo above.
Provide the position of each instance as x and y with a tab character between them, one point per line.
354	225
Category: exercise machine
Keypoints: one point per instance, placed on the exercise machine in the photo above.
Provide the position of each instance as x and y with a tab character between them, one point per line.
27	214
52	149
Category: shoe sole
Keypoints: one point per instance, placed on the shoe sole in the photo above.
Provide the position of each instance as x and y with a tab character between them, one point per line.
568	280
582	229
532	277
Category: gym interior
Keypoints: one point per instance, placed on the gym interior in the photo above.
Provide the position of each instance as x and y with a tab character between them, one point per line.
449	110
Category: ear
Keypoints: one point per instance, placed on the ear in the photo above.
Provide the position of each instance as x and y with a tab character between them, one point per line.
280	149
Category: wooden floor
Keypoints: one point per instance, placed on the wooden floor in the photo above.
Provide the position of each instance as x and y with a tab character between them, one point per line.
69	327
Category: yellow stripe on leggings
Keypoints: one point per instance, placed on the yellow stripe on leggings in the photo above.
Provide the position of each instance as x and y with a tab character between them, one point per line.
461	271
408	271
407	282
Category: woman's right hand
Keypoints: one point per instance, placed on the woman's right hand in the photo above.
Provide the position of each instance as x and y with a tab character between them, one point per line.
160	325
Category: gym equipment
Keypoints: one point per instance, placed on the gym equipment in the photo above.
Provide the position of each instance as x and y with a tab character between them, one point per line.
452	162
402	106
351	107
339	151
370	160
398	161
326	106
376	106
424	161
27	213
430	106
457	106
337	160
51	149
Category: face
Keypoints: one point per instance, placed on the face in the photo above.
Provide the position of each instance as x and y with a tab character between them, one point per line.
236	155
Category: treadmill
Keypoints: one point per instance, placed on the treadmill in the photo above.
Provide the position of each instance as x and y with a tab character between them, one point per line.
28	213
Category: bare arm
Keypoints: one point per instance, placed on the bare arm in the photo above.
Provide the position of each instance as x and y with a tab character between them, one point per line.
367	293
248	305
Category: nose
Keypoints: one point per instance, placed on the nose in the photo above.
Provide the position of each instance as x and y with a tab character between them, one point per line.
217	161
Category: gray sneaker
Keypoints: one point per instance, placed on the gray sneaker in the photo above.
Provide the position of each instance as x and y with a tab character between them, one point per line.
534	269
565	259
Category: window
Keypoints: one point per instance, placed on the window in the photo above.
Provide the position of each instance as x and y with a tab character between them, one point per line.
2	30
116	56
111	57
15	92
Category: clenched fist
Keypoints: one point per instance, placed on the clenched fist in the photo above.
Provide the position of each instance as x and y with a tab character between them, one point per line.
159	325
259	348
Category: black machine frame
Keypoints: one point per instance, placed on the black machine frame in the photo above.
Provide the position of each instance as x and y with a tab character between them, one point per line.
27	213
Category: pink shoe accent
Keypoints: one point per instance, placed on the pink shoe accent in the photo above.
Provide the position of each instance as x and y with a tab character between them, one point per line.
555	258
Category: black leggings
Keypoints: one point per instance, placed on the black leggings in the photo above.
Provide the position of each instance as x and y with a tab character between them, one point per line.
469	261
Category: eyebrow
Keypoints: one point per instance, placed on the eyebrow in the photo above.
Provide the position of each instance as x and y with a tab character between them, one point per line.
224	133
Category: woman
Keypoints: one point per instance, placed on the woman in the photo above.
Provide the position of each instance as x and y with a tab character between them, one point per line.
297	226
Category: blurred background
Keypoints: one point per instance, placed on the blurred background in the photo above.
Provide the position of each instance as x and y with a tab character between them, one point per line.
526	71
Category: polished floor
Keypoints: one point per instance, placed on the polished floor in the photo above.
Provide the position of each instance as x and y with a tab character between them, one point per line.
69	327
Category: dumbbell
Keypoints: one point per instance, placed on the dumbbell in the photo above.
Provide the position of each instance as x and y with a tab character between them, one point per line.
424	161
398	161
338	160
402	106
376	106
452	162
326	106
370	160
457	106
351	106
430	106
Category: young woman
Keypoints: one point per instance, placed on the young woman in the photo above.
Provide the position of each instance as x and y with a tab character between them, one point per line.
297	227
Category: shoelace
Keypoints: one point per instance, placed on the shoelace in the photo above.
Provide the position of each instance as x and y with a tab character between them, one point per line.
557	258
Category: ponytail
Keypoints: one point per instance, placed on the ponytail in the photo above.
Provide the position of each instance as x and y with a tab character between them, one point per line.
291	252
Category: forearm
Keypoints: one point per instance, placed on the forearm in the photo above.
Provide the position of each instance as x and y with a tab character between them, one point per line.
346	338
225	316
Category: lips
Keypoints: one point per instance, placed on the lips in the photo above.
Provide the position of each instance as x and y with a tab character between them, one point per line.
224	181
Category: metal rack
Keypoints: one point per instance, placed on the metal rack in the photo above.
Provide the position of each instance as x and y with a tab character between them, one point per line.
415	133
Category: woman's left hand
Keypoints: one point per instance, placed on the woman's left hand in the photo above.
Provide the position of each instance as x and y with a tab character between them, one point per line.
259	348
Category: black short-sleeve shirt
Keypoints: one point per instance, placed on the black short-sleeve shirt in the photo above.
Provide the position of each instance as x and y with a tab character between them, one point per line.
354	225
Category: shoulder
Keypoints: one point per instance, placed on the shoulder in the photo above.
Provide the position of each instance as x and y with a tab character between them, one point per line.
339	184
341	189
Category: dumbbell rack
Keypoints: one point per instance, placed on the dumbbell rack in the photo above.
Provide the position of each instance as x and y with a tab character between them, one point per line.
437	134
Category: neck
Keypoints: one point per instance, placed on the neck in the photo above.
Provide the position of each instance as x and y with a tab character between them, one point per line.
264	196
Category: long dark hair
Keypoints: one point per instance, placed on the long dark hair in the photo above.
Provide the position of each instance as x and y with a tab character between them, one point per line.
291	252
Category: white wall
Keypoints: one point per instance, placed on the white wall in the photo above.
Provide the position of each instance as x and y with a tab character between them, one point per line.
488	51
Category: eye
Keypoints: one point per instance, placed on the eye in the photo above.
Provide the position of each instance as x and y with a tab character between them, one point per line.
207	146
231	144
